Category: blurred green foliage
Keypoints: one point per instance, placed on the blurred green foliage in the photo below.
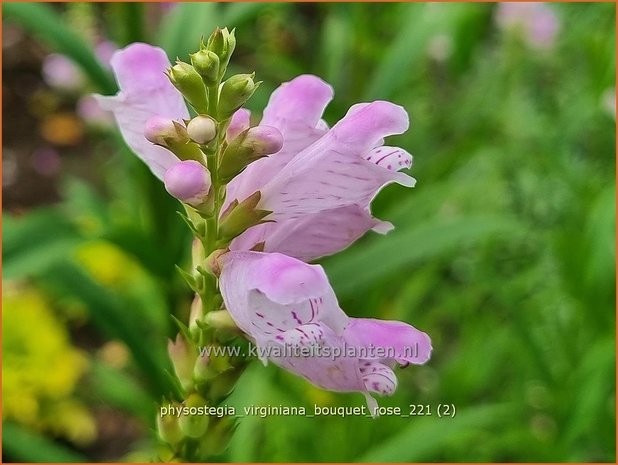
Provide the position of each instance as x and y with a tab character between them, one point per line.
504	253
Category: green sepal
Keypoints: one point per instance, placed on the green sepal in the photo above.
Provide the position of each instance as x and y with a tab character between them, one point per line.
239	217
234	93
189	279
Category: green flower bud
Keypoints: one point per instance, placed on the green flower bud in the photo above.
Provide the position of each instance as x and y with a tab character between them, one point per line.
202	129
183	356
220	319
206	63
195	316
222	42
168	428
234	93
194	424
187	80
238	217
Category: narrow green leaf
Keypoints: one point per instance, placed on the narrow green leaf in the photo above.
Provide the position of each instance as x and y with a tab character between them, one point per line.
426	436
115	388
33	243
21	445
111	316
413	245
42	21
420	23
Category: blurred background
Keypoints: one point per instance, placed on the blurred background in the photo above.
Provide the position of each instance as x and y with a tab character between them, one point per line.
504	252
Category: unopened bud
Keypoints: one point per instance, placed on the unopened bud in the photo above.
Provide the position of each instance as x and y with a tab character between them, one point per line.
240	121
222	42
168	428
194	425
183	356
252	144
187	80
195	315
263	140
188	181
206	63
220	319
202	129
202	371
234	93
211	263
165	131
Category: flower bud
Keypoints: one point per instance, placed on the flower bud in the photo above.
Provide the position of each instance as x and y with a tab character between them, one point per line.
202	371
183	357
202	129
220	319
250	145
187	80
211	263
188	181
234	93
206	63
222	42
194	425
240	121
168	428
165	131
195	316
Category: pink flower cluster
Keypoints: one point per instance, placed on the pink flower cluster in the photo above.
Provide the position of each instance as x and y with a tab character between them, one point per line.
319	186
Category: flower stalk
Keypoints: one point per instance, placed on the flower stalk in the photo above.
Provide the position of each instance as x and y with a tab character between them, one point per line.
205	380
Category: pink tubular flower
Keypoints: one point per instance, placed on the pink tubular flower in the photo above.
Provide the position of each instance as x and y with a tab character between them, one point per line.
320	184
284	304
145	91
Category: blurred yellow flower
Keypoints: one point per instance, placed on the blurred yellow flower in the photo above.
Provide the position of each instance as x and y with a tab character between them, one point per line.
108	264
41	368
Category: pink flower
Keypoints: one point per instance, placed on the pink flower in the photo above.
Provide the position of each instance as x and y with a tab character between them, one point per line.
145	91
59	72
285	304
536	20
320	184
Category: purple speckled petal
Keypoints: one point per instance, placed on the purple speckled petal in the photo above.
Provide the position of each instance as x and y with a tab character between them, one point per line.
332	172
340	373
268	294
391	158
314	235
378	377
145	91
302	336
405	343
